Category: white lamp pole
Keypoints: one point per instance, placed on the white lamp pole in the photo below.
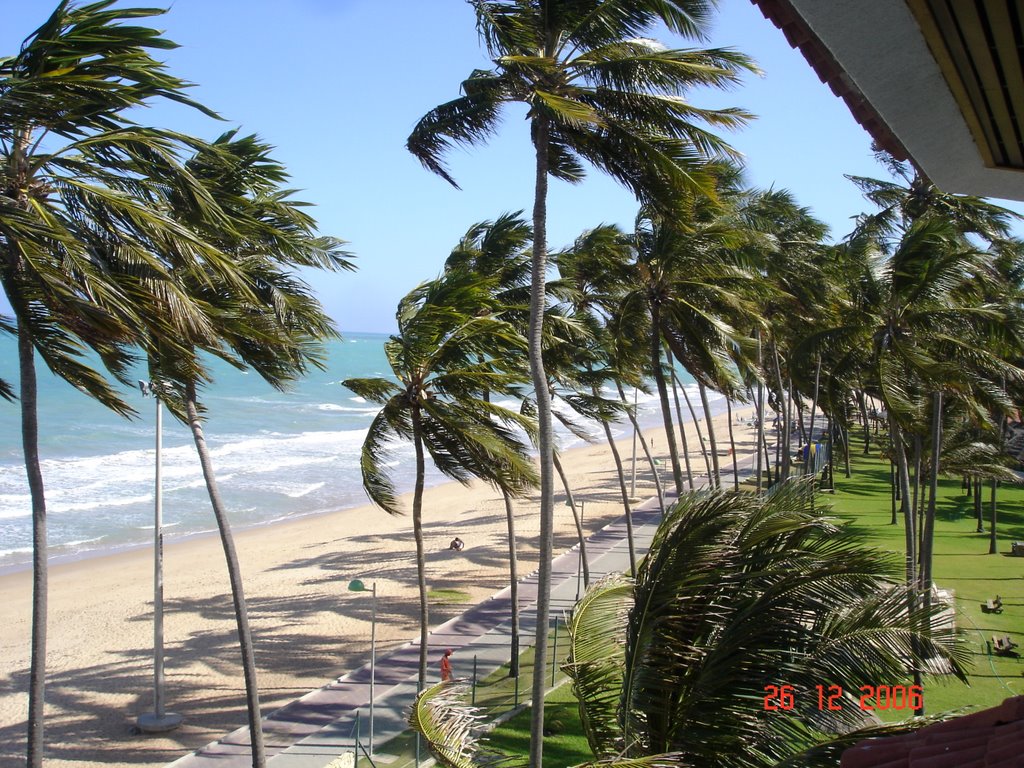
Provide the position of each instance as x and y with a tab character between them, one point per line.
157	721
357	586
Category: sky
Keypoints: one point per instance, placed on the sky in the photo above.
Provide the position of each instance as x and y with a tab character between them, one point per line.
337	85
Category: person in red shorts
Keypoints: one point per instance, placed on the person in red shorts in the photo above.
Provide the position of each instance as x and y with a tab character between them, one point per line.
446	666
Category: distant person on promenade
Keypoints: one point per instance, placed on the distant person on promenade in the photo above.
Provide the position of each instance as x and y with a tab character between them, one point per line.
457	544
446	666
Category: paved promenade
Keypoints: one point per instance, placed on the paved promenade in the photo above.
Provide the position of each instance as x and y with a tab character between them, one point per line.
318	728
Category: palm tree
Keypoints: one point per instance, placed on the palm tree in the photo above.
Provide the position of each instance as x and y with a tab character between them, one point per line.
446	354
77	179
690	290
499	249
260	316
739	594
596	90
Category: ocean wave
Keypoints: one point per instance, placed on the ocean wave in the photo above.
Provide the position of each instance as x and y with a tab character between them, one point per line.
343	408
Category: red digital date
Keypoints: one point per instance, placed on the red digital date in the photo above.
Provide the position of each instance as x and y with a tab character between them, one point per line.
882	697
830	697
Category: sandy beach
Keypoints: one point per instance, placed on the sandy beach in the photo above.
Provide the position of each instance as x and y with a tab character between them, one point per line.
308	628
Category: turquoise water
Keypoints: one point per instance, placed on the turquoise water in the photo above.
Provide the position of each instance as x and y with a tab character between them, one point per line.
277	456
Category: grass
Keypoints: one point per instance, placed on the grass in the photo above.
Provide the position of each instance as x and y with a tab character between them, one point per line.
961	565
564	743
448	596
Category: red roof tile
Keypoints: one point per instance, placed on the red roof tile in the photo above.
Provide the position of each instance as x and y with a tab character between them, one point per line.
992	738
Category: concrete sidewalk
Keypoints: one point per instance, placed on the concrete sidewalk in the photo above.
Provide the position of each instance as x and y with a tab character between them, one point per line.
318	728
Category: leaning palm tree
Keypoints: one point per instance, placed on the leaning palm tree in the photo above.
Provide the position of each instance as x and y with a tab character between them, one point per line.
260	316
500	249
598	91
447	353
77	184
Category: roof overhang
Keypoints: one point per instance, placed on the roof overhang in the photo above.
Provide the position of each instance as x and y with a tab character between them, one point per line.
937	82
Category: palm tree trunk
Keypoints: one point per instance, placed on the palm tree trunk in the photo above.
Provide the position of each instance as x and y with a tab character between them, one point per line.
732	446
862	403
421	558
760	409
513	590
906	510
917	473
666	413
700	432
259	759
576	519
545	444
782	471
622	489
992	543
910	537
712	442
928	529
646	448
30	445
796	402
895	491
787	456
682	424
758	468
814	400
844	435
977	506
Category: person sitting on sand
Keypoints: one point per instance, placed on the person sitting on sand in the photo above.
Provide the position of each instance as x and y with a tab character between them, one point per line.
457	544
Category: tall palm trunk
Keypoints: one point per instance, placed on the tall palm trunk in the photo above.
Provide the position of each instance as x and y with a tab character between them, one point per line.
783	447
622	489
696	426
259	759
992	542
917	474
796	403
666	413
513	588
910	537
764	459
732	446
846	452
421	558
928	529
681	422
814	401
646	448
906	509
978	515
862	404
581	536
30	446
712	443
760	411
894	491
545	444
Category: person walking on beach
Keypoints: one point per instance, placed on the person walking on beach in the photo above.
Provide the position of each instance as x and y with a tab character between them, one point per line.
446	666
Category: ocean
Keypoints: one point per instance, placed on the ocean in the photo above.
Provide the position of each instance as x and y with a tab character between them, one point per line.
276	455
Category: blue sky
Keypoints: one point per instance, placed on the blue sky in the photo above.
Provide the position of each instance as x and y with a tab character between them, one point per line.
336	86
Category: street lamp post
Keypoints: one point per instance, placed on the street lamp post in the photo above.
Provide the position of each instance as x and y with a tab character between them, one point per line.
157	721
357	586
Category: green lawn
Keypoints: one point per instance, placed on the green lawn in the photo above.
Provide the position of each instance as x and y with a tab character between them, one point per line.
564	743
962	565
